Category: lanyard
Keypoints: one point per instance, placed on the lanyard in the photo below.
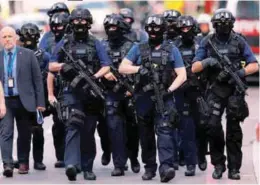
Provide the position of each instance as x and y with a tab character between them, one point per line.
10	65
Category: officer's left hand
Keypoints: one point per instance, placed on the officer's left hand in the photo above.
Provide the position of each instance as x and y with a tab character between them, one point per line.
109	76
42	109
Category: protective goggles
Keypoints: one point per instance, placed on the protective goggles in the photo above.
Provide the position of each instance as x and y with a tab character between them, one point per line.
156	20
170	13
184	23
110	20
30	31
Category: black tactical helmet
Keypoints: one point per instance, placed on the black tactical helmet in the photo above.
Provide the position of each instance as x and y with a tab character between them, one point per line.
29	30
29	35
171	15
58	7
223	22
186	21
59	20
222	16
127	13
155	27
115	20
155	20
80	14
121	27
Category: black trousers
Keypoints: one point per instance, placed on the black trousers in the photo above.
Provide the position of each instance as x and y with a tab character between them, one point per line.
215	134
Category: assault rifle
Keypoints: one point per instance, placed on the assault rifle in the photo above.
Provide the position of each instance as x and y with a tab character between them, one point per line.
84	72
226	65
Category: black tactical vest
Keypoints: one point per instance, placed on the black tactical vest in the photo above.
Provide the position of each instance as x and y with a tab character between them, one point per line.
187	52
159	59
117	55
85	50
233	49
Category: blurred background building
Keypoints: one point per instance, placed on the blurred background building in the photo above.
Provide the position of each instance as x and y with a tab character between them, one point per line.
18	12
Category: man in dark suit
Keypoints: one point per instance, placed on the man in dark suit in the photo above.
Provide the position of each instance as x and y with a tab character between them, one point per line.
23	91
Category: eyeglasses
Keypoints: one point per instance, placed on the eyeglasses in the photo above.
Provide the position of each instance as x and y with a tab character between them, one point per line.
156	20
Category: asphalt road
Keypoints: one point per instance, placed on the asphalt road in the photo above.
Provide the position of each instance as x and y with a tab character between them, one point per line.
57	176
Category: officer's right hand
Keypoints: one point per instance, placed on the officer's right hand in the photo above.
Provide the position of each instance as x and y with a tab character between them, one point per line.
52	99
209	62
143	70
109	76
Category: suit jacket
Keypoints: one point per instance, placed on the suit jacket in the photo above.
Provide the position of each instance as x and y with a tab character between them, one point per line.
29	78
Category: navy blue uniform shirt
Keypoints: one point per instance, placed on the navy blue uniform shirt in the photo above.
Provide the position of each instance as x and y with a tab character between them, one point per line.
101	53
174	57
201	53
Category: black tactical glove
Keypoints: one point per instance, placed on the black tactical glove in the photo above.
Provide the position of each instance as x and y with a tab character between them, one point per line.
143	70
241	73
209	62
223	76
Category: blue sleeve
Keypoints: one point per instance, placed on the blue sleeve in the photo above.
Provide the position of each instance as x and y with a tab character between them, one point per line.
134	54
105	60
55	54
46	60
248	54
143	36
201	52
43	43
176	58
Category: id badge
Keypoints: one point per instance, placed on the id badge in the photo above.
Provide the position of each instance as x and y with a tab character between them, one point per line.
10	82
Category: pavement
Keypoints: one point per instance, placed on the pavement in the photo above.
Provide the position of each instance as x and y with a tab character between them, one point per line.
249	169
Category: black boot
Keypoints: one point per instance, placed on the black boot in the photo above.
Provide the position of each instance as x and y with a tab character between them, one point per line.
167	175
234	174
126	167
190	170
135	165
219	170
39	166
105	159
148	175
176	166
71	172
118	172
203	164
181	158
89	175
59	164
16	164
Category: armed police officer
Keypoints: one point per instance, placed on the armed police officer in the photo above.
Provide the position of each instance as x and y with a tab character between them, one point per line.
134	36
81	60
58	24
53	36
172	34
29	35
153	62
221	53
171	17
188	94
119	114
